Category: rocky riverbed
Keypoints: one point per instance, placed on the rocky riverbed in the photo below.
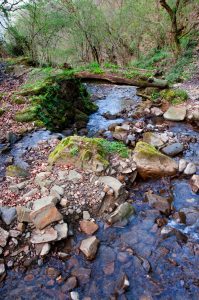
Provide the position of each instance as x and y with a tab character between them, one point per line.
121	227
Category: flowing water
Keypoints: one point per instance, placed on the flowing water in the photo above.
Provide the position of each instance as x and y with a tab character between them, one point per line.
157	266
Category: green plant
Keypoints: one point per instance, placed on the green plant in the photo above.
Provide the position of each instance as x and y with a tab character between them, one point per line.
174	96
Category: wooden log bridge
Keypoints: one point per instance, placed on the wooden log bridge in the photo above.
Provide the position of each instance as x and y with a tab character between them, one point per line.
121	80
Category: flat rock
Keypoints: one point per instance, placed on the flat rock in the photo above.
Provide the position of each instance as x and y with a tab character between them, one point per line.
45	216
190	169
74	176
113	183
153	139
8	214
3	237
160	203
124	211
23	214
195	183
175	113
89	247
88	227
151	163
44	236
173	149
62	231
58	189
38	204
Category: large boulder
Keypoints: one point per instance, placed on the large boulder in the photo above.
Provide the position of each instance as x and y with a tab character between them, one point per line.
151	163
86	153
175	113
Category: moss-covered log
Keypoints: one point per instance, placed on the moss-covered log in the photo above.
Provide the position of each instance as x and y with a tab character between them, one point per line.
119	79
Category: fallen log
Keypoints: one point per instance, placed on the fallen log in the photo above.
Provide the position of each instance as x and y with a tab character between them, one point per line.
120	79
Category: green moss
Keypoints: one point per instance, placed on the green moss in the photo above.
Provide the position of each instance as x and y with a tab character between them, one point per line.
15	171
83	150
2	111
27	115
174	96
18	99
147	150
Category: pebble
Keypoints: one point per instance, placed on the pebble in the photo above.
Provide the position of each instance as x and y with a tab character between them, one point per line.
2	269
182	165
45	249
190	169
74	296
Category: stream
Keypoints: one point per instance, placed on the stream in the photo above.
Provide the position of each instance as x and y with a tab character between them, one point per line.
158	266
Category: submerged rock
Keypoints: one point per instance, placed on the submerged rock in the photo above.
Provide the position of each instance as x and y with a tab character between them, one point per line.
175	113
195	183
89	247
124	211
173	149
160	203
152	163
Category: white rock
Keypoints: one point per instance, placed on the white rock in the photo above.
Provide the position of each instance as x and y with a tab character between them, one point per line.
44	202
64	202
2	269
89	247
74	296
62	231
58	189
86	215
45	249
182	165
190	169
115	184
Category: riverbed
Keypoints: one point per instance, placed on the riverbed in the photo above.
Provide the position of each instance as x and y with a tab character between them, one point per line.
158	266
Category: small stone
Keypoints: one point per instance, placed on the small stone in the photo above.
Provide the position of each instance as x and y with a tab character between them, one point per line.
23	214
182	165
113	183
3	237
158	202
69	285
52	272
195	183
190	169
156	111
45	216
88	227
124	211
74	296
14	233
45	249
89	247
58	189
1	250
21	227
8	214
64	202
86	215
62	231
2	269
10	264
173	149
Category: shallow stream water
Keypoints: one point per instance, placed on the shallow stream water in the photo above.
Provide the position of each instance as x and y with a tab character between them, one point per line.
157	266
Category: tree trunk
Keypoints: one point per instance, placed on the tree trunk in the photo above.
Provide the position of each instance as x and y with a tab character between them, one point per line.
120	79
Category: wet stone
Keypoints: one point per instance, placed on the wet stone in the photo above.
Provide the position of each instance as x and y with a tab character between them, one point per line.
89	247
52	272
82	274
195	183
158	202
173	149
88	227
69	285
190	169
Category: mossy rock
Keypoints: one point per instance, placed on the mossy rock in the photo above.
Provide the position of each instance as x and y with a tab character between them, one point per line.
174	97
151	163
27	115
83	152
15	171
